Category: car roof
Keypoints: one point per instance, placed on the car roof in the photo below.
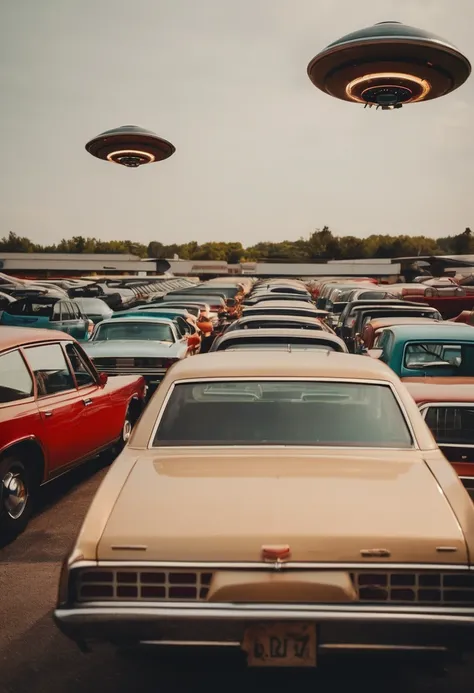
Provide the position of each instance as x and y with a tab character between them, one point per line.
298	365
462	390
381	323
11	337
438	330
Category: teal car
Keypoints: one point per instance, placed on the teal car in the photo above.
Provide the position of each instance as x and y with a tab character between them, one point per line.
444	349
50	313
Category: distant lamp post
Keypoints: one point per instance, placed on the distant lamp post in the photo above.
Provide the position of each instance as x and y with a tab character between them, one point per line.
130	146
389	65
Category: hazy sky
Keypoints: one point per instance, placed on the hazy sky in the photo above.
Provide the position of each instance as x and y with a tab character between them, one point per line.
261	153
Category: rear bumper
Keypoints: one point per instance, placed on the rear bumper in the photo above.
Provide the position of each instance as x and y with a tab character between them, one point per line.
339	627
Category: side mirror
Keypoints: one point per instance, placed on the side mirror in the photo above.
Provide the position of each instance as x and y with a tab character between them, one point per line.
103	379
375	353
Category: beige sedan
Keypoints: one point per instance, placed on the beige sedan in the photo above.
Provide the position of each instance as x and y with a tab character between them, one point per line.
284	503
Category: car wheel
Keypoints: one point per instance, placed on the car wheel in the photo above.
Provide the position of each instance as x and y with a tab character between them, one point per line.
16	504
126	429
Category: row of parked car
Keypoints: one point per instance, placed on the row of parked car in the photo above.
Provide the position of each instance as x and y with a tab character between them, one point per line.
277	492
58	405
285	495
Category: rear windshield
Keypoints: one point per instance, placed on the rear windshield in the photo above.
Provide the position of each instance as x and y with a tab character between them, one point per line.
275	324
366	317
454	425
277	342
28	306
306	413
134	331
445	357
300	312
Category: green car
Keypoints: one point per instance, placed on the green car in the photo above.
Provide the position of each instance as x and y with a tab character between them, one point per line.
50	313
419	352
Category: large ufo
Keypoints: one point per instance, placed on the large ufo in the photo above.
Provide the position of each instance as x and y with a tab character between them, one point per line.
130	146
388	65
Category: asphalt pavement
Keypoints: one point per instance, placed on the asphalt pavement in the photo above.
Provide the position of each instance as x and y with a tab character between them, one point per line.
36	657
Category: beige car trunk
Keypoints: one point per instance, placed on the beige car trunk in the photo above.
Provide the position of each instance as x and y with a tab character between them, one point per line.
215	505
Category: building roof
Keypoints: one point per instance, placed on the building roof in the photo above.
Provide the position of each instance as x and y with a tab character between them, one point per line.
298	365
11	337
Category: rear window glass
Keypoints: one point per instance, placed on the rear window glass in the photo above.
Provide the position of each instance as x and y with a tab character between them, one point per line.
306	413
29	306
275	324
453	425
444	357
277	343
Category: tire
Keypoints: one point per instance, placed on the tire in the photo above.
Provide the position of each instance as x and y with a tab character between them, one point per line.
16	497
127	428
109	455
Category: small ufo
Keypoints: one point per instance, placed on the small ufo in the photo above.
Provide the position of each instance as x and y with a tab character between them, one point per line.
130	146
389	65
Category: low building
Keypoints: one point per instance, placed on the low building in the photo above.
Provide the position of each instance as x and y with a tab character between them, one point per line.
49	265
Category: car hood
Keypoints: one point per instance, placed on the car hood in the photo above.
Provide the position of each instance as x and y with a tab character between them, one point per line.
132	349
328	506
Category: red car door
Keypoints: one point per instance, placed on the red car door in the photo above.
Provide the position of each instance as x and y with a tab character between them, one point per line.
60	405
100	426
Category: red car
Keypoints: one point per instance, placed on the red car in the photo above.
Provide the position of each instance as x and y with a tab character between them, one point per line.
447	405
56	411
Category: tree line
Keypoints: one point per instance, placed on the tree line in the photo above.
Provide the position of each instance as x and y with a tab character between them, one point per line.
321	245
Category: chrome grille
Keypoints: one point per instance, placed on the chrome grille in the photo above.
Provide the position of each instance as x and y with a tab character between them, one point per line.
150	585
378	586
415	587
132	366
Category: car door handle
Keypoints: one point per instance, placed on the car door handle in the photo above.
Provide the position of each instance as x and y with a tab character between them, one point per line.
87	402
47	414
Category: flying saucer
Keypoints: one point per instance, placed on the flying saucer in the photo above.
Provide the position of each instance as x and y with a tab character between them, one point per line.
130	146
389	65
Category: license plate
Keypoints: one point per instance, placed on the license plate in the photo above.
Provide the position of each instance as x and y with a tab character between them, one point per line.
281	645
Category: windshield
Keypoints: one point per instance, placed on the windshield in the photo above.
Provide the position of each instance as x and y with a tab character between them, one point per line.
264	342
366	317
454	359
275	412
272	346
282	311
282	325
134	331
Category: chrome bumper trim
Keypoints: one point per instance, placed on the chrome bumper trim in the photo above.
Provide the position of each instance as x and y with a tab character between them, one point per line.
95	612
270	567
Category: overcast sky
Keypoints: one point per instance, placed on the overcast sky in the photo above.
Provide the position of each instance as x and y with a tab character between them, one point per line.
261	154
